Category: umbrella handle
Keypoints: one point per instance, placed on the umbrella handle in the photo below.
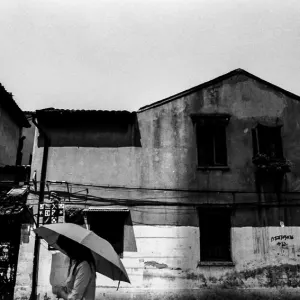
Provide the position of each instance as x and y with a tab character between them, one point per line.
119	280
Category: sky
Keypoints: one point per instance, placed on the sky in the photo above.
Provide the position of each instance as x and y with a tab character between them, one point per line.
124	54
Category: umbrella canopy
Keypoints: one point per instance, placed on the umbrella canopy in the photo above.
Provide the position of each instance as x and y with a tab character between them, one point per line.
107	260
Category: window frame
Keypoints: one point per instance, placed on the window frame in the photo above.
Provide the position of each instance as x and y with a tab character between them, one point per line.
214	120
215	211
256	144
108	210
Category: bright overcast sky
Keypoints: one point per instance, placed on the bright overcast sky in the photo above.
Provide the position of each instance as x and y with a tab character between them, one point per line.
121	54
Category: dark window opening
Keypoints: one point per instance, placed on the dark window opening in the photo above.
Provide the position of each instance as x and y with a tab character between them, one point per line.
211	142
215	235
109	226
267	140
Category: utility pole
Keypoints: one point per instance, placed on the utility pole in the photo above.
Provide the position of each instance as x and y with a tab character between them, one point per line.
41	201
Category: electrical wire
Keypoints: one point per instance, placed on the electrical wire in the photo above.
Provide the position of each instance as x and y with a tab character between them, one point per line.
157	189
137	202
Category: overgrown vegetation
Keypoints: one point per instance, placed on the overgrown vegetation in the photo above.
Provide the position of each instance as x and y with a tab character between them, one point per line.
267	277
265	163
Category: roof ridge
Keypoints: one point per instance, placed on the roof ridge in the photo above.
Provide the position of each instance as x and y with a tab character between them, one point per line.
212	81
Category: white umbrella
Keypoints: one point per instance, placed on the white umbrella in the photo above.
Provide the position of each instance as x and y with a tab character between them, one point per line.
107	260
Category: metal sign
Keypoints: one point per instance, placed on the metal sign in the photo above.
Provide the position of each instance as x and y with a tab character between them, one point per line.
50	214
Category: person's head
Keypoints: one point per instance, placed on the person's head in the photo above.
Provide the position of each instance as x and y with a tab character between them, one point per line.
68	246
75	251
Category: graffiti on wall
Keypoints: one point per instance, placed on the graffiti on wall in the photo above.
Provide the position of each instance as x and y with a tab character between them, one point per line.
282	237
281	245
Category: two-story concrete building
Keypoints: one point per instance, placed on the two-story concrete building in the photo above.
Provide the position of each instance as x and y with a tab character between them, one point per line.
199	189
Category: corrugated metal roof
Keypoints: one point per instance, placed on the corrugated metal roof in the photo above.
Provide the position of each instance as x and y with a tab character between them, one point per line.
59	117
13	201
106	209
68	111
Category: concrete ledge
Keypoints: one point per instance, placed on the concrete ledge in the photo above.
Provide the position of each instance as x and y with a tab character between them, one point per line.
181	294
201	293
215	263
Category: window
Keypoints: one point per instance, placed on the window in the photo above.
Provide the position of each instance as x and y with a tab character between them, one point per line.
110	226
215	235
211	139
267	140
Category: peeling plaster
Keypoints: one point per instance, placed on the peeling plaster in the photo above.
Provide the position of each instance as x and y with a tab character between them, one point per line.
156	264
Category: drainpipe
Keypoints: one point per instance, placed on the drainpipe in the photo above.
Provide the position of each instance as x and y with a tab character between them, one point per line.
41	200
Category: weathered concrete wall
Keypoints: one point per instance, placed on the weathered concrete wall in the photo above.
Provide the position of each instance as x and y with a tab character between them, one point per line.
167	158
9	138
172	140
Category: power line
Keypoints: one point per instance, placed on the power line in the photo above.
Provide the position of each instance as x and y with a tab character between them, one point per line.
159	189
138	202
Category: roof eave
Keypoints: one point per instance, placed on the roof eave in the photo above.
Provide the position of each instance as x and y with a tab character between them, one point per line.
113	115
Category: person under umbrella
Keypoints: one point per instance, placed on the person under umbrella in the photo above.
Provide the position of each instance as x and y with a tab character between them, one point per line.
88	252
107	261
81	281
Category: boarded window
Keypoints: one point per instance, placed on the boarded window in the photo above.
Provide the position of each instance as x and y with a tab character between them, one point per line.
215	236
267	140
109	226
211	140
